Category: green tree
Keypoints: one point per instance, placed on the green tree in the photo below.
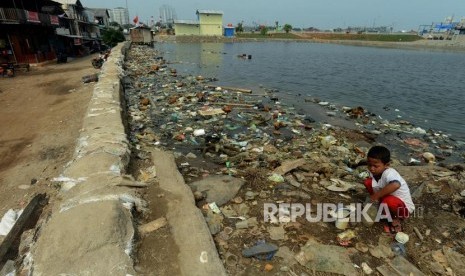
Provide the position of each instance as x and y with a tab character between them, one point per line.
111	37
263	30
287	28
115	25
239	28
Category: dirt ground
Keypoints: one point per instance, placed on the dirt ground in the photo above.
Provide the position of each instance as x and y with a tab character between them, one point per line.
40	118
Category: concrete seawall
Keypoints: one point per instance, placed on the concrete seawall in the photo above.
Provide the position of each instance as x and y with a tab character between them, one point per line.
91	229
90	232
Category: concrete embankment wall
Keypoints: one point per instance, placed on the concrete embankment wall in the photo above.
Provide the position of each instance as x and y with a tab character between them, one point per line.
90	230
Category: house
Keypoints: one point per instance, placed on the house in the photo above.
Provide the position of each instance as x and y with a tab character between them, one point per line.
27	30
208	23
80	30
141	35
101	17
211	22
186	27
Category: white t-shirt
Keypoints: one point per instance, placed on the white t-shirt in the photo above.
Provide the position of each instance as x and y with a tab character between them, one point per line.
403	192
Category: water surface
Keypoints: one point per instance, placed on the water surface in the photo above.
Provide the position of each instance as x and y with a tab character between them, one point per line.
424	87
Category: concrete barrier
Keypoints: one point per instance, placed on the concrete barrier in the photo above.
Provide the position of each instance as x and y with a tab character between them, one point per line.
91	231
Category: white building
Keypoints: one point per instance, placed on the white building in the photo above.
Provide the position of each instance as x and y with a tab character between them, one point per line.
119	15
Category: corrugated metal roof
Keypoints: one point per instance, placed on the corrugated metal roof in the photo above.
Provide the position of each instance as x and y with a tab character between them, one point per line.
209	12
189	22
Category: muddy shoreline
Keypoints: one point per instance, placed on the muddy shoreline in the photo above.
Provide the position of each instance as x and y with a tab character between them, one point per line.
218	132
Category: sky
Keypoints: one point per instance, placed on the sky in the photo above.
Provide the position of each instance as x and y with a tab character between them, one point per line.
322	14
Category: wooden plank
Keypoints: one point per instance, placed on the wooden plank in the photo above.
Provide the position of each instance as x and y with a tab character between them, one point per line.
17	228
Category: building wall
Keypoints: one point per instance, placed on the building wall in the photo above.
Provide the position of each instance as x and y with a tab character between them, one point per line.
143	36
119	15
211	24
186	29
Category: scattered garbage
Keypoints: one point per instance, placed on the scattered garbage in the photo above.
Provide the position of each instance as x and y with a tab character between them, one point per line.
253	148
345	238
402	237
262	251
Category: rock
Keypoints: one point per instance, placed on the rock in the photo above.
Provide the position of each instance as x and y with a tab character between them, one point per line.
190	155
228	211
291	180
241	209
362	247
287	255
300	177
366	269
381	251
326	258
268	267
214	222
252	222
277	233
219	189
243	224
462	193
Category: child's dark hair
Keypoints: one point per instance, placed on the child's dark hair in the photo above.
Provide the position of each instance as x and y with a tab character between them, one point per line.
381	153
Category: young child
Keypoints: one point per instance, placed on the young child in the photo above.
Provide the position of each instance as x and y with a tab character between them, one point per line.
387	186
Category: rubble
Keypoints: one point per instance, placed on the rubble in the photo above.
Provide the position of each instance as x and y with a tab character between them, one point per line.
241	149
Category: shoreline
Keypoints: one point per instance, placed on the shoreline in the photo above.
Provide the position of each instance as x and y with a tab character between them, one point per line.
444	45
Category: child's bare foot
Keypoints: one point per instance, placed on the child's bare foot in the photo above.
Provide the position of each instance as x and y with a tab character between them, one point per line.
393	227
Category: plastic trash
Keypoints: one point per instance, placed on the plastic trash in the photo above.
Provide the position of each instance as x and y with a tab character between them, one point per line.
199	132
262	250
398	249
327	141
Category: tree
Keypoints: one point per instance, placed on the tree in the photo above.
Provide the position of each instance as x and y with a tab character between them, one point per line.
239	28
115	25
287	28
111	36
263	30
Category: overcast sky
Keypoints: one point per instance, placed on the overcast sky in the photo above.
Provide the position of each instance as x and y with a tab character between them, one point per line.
323	14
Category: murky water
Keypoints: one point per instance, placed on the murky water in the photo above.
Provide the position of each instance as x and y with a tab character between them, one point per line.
424	87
